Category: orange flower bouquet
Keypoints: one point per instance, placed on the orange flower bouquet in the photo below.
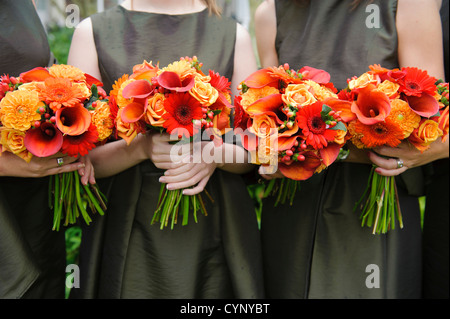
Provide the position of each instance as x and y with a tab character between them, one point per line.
291	121
53	110
178	99
387	108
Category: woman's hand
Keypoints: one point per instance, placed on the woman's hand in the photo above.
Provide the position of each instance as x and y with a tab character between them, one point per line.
406	156
163	154
13	165
87	171
185	173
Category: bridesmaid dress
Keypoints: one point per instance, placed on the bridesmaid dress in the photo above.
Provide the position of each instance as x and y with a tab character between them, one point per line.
32	256
123	255
436	221
317	247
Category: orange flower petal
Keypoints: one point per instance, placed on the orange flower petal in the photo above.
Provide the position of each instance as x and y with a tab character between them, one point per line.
425	106
38	74
371	106
303	170
73	120
133	112
140	89
330	153
260	79
43	141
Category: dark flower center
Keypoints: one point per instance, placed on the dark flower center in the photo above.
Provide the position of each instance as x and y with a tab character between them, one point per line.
316	125
183	114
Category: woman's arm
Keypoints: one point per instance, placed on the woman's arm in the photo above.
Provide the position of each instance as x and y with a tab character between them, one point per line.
265	33
114	157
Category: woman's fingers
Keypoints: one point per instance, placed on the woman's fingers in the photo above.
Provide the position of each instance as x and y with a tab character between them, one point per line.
197	189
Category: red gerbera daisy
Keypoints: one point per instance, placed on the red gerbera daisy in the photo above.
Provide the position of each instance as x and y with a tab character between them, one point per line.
182	109
80	144
416	82
315	130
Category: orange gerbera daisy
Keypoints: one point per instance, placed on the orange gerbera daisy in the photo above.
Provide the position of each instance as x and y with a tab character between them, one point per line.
18	109
378	134
117	85
59	92
67	72
404	117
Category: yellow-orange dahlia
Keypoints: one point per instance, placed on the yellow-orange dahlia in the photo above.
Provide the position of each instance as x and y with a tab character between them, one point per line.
404	117
67	72
19	110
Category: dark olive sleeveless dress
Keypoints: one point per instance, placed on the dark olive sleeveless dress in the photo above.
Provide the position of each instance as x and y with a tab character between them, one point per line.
436	222
32	257
122	255
317	248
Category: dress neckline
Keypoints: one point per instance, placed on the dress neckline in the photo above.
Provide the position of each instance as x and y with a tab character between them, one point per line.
164	14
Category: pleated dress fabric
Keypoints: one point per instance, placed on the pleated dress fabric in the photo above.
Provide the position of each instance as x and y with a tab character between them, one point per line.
316	248
123	255
436	222
32	256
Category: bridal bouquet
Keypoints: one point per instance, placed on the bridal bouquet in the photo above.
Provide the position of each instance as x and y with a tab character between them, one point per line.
389	107
291	121
53	110
178	99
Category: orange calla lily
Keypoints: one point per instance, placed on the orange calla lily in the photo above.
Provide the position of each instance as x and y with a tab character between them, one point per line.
139	89
301	170
425	106
316	75
43	141
73	120
330	153
372	106
260	79
133	112
38	74
268	104
172	81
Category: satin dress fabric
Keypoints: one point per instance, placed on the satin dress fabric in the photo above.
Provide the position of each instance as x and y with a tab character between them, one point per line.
436	222
123	255
316	248
32	256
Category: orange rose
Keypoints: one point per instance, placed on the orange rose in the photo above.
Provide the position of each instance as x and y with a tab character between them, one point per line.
127	131
363	81
155	110
264	127
298	95
427	133
443	123
253	95
320	92
101	119
389	88
13	141
204	92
